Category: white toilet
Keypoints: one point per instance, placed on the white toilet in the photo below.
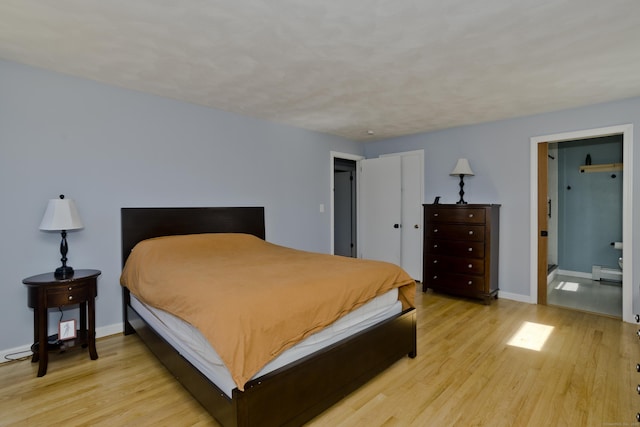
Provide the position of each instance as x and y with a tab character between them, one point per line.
618	245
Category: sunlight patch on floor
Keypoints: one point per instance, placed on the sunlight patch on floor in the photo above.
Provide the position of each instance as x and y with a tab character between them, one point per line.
568	286
531	336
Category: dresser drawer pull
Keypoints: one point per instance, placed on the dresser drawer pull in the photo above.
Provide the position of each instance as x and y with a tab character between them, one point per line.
70	288
470	249
470	215
435	246
435	214
470	232
435	230
470	266
469	283
638	367
70	297
435	277
638	388
638	333
435	261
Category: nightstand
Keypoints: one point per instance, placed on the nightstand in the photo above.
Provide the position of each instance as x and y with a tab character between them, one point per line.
46	291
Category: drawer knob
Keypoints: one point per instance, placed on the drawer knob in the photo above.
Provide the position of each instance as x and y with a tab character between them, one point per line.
470	215
435	230
435	214
470	249
638	367
638	388
470	265
435	261
469	283
70	297
435	277
435	246
70	288
470	232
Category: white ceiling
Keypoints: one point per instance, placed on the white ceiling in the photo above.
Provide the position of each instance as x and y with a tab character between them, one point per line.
343	67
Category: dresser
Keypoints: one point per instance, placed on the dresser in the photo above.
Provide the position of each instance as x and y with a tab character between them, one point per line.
460	254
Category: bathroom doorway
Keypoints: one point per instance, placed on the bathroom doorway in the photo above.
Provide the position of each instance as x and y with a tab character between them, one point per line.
584	223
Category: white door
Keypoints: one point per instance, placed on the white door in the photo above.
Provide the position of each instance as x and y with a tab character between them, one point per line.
412	196
380	209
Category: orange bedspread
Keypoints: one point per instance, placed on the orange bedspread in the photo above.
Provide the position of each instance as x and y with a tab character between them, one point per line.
252	299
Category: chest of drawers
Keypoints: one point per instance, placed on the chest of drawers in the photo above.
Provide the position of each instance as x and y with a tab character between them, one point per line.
460	254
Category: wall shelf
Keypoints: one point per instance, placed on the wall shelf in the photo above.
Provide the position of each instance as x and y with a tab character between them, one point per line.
606	167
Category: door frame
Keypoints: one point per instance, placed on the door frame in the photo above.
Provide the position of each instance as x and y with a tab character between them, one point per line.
627	208
332	156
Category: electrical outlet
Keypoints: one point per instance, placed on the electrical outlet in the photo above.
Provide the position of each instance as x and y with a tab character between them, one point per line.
67	329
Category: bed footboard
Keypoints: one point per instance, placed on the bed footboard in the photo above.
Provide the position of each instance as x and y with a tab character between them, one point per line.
299	391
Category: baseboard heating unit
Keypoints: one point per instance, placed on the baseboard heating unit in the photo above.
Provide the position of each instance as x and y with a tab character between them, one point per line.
605	273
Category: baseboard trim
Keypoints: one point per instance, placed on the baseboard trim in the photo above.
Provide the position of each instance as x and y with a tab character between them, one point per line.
516	297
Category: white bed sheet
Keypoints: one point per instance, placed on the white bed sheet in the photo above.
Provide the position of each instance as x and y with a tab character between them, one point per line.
192	345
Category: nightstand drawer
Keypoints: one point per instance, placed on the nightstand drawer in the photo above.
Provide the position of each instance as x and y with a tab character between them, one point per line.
66	295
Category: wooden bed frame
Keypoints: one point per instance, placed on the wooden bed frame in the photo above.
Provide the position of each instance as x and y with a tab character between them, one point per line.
292	394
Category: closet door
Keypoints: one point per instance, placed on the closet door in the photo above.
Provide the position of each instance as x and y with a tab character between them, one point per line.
390	210
412	198
380	212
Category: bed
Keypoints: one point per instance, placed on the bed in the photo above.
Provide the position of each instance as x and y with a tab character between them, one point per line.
291	394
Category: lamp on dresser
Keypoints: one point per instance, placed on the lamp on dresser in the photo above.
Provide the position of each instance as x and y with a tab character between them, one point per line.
462	168
62	215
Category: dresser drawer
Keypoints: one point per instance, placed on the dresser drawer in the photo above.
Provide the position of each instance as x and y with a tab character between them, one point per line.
457	283
434	264
455	232
467	215
67	295
459	248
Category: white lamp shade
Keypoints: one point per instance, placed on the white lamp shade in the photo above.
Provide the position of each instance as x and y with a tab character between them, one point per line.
462	168
61	214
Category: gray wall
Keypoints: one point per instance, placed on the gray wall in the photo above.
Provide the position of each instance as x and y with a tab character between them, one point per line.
108	148
499	154
590	205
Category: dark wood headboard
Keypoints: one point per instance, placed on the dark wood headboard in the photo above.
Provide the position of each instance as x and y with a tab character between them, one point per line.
144	223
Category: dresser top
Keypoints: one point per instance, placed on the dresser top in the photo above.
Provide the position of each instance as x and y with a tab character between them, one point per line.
457	206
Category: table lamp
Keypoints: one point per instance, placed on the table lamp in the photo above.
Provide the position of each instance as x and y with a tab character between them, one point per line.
462	168
62	215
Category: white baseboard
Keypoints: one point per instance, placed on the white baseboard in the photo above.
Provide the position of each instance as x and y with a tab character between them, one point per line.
25	350
515	297
575	274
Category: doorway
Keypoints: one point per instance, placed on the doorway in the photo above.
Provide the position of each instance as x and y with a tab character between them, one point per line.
538	230
584	221
346	213
345	207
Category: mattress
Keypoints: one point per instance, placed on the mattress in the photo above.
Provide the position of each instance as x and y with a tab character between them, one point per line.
192	345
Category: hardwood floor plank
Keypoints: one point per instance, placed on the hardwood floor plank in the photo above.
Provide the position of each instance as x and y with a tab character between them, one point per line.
466	373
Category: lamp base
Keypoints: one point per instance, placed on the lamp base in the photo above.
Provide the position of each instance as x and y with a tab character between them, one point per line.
64	272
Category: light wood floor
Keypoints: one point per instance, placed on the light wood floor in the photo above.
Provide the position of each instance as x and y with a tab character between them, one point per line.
465	374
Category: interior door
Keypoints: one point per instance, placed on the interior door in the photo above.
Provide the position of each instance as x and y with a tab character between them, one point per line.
542	222
380	219
412	197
